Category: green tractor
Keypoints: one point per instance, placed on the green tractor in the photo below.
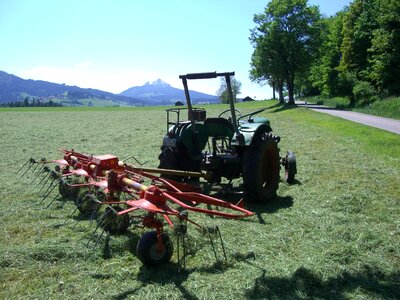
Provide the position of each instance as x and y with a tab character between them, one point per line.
228	146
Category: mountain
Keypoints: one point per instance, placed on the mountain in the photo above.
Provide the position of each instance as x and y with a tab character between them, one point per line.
161	93
13	88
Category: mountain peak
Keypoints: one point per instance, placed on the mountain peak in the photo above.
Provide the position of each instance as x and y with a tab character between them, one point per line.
158	82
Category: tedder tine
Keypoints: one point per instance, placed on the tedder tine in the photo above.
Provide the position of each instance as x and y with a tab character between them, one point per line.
51	188
45	169
70	216
24	165
51	202
43	162
32	161
45	183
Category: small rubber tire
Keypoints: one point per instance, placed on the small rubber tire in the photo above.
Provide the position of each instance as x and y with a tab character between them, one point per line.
290	167
148	250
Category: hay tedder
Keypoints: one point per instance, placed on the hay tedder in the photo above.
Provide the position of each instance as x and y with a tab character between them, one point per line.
95	181
120	195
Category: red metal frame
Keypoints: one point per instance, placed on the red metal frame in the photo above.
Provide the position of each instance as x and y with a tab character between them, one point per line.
108	173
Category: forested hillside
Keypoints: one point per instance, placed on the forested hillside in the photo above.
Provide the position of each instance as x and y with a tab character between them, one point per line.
355	53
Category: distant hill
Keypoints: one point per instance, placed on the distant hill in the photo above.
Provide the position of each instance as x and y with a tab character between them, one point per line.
161	93
13	88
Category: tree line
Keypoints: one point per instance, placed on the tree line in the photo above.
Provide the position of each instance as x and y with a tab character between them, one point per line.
34	103
355	53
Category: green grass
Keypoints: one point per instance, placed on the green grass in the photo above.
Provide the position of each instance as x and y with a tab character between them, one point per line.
335	234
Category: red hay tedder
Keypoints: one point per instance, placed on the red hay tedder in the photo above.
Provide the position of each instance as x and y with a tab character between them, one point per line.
105	180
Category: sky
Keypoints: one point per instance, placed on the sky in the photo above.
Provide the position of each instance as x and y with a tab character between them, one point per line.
115	45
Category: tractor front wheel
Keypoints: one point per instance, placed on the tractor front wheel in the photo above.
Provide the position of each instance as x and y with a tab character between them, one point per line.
290	167
153	251
261	165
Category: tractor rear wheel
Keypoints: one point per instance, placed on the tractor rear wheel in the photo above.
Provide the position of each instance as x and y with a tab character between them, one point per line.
169	159
153	252
261	165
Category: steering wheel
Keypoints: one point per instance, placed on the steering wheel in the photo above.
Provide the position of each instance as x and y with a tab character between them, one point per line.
252	113
237	112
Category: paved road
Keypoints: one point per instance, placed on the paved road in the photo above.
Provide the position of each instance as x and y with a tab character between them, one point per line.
370	120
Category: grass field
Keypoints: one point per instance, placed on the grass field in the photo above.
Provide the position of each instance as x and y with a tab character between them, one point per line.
334	234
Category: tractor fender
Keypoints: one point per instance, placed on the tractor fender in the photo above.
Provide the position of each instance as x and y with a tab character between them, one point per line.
253	131
263	128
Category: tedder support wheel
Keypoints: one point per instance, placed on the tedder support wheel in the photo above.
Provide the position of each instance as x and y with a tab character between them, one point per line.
151	252
290	167
261	165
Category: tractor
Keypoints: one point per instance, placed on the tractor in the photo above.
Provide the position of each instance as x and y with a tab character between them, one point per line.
229	146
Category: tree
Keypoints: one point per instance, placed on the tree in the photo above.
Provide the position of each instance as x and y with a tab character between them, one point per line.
223	91
385	48
324	74
285	40
358	26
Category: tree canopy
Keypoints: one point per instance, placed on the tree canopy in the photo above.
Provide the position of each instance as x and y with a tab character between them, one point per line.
356	50
285	39
223	90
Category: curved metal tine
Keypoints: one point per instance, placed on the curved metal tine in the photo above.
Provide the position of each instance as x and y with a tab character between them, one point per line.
40	181
98	240
32	163
51	202
101	222
45	183
52	189
51	186
131	156
212	245
222	243
38	173
23	165
34	169
70	216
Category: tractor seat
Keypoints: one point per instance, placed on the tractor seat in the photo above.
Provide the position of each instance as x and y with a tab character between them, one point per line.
219	128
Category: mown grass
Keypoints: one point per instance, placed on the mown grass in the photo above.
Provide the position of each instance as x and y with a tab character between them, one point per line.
334	234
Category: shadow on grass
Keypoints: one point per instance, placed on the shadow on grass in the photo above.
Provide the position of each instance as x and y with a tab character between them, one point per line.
270	207
167	274
281	107
305	284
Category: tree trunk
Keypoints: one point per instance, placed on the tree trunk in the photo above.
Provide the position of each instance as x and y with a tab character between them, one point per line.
290	87
273	90
280	91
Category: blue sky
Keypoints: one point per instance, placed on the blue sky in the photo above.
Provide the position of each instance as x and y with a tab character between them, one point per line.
114	45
